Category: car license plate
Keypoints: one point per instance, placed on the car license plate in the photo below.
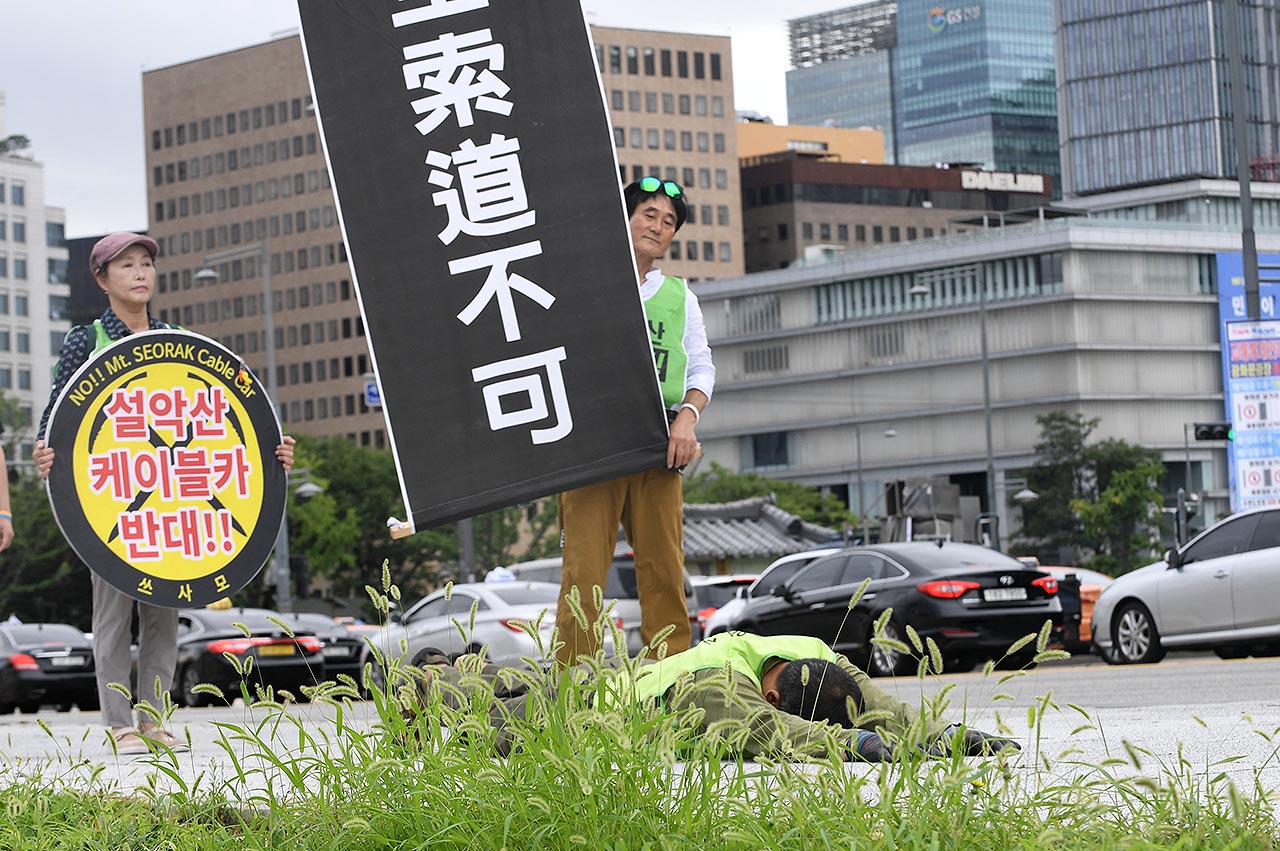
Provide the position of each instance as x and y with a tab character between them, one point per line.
996	595
68	661
275	650
337	652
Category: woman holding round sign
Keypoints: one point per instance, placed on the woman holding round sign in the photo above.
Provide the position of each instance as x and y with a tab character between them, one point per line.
166	478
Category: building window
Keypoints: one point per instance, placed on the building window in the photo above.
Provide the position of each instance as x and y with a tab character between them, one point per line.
633	61
700	105
699	65
895	233
877	233
860	233
715	66
726	252
615	59
719	143
770	450
722	178
842	233
682	64
691	250
686	140
650	101
722	214
665	58
669	140
684	105
620	137
668	103
784	233
806	231
649	69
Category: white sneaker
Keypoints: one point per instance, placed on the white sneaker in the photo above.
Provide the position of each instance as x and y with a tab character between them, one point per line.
128	742
163	738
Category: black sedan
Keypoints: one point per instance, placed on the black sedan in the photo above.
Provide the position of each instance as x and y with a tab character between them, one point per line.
972	601
342	646
45	663
208	639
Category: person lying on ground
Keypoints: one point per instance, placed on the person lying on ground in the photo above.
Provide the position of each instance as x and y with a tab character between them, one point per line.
778	697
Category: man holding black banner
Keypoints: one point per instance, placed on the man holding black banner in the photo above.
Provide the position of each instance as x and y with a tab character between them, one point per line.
649	504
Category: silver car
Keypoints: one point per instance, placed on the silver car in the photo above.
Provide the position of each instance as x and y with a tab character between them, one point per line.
442	621
726	617
620	592
1217	593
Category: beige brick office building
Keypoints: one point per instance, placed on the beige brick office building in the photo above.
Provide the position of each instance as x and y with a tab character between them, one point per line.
671	103
234	162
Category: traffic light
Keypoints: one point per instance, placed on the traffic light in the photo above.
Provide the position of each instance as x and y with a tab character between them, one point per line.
1215	431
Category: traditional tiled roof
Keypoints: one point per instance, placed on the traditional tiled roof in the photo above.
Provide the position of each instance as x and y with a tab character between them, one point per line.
749	528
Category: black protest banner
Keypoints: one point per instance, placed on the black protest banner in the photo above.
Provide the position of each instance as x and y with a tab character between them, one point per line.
165	479
479	196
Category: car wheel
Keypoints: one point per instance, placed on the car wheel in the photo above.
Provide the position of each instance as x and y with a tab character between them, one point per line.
1134	637
63	707
885	661
1231	652
6	708
29	707
960	663
188	679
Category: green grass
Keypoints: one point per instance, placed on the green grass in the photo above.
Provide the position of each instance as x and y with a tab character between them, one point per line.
581	778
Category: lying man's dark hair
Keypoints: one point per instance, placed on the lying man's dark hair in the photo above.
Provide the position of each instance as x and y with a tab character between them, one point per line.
824	697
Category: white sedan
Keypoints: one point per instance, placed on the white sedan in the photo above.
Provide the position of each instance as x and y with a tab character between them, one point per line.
1217	593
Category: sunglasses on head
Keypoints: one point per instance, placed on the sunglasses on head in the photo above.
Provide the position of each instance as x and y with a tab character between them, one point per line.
652	184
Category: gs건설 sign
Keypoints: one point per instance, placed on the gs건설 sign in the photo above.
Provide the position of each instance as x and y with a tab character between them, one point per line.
165	480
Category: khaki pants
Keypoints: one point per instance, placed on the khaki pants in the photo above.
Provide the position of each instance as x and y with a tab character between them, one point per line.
650	506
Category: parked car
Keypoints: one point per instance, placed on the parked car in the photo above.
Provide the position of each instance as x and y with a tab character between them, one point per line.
771	577
1091	584
443	621
45	663
280	660
712	592
972	601
619	588
342	646
1218	592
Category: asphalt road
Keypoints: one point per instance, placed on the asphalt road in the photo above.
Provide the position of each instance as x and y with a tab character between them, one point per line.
1190	710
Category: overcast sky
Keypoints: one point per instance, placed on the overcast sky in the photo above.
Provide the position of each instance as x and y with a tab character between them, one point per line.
71	72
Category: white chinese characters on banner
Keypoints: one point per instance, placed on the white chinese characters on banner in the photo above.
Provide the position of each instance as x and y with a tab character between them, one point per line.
491	189
499	283
445	66
530	384
483	195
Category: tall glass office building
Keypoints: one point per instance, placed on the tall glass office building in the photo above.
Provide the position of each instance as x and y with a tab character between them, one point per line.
844	66
1146	91
975	83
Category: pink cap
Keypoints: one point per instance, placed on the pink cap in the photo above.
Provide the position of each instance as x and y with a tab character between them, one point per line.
110	247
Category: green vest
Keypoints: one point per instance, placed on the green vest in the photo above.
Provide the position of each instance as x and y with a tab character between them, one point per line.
104	339
665	312
743	653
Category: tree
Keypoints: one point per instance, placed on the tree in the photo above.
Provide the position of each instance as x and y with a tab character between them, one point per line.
806	502
1119	523
361	483
41	577
1070	473
16	145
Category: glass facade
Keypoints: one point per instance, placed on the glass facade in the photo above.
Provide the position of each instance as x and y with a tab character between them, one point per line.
856	91
1147	96
975	82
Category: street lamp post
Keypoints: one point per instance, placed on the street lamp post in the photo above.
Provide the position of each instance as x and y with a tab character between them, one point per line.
280	564
980	278
862	512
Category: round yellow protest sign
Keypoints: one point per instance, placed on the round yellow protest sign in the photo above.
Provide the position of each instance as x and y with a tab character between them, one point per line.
166	482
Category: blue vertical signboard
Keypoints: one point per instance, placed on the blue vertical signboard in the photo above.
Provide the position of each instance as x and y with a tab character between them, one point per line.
1251	381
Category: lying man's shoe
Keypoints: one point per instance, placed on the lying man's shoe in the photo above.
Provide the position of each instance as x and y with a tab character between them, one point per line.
972	742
